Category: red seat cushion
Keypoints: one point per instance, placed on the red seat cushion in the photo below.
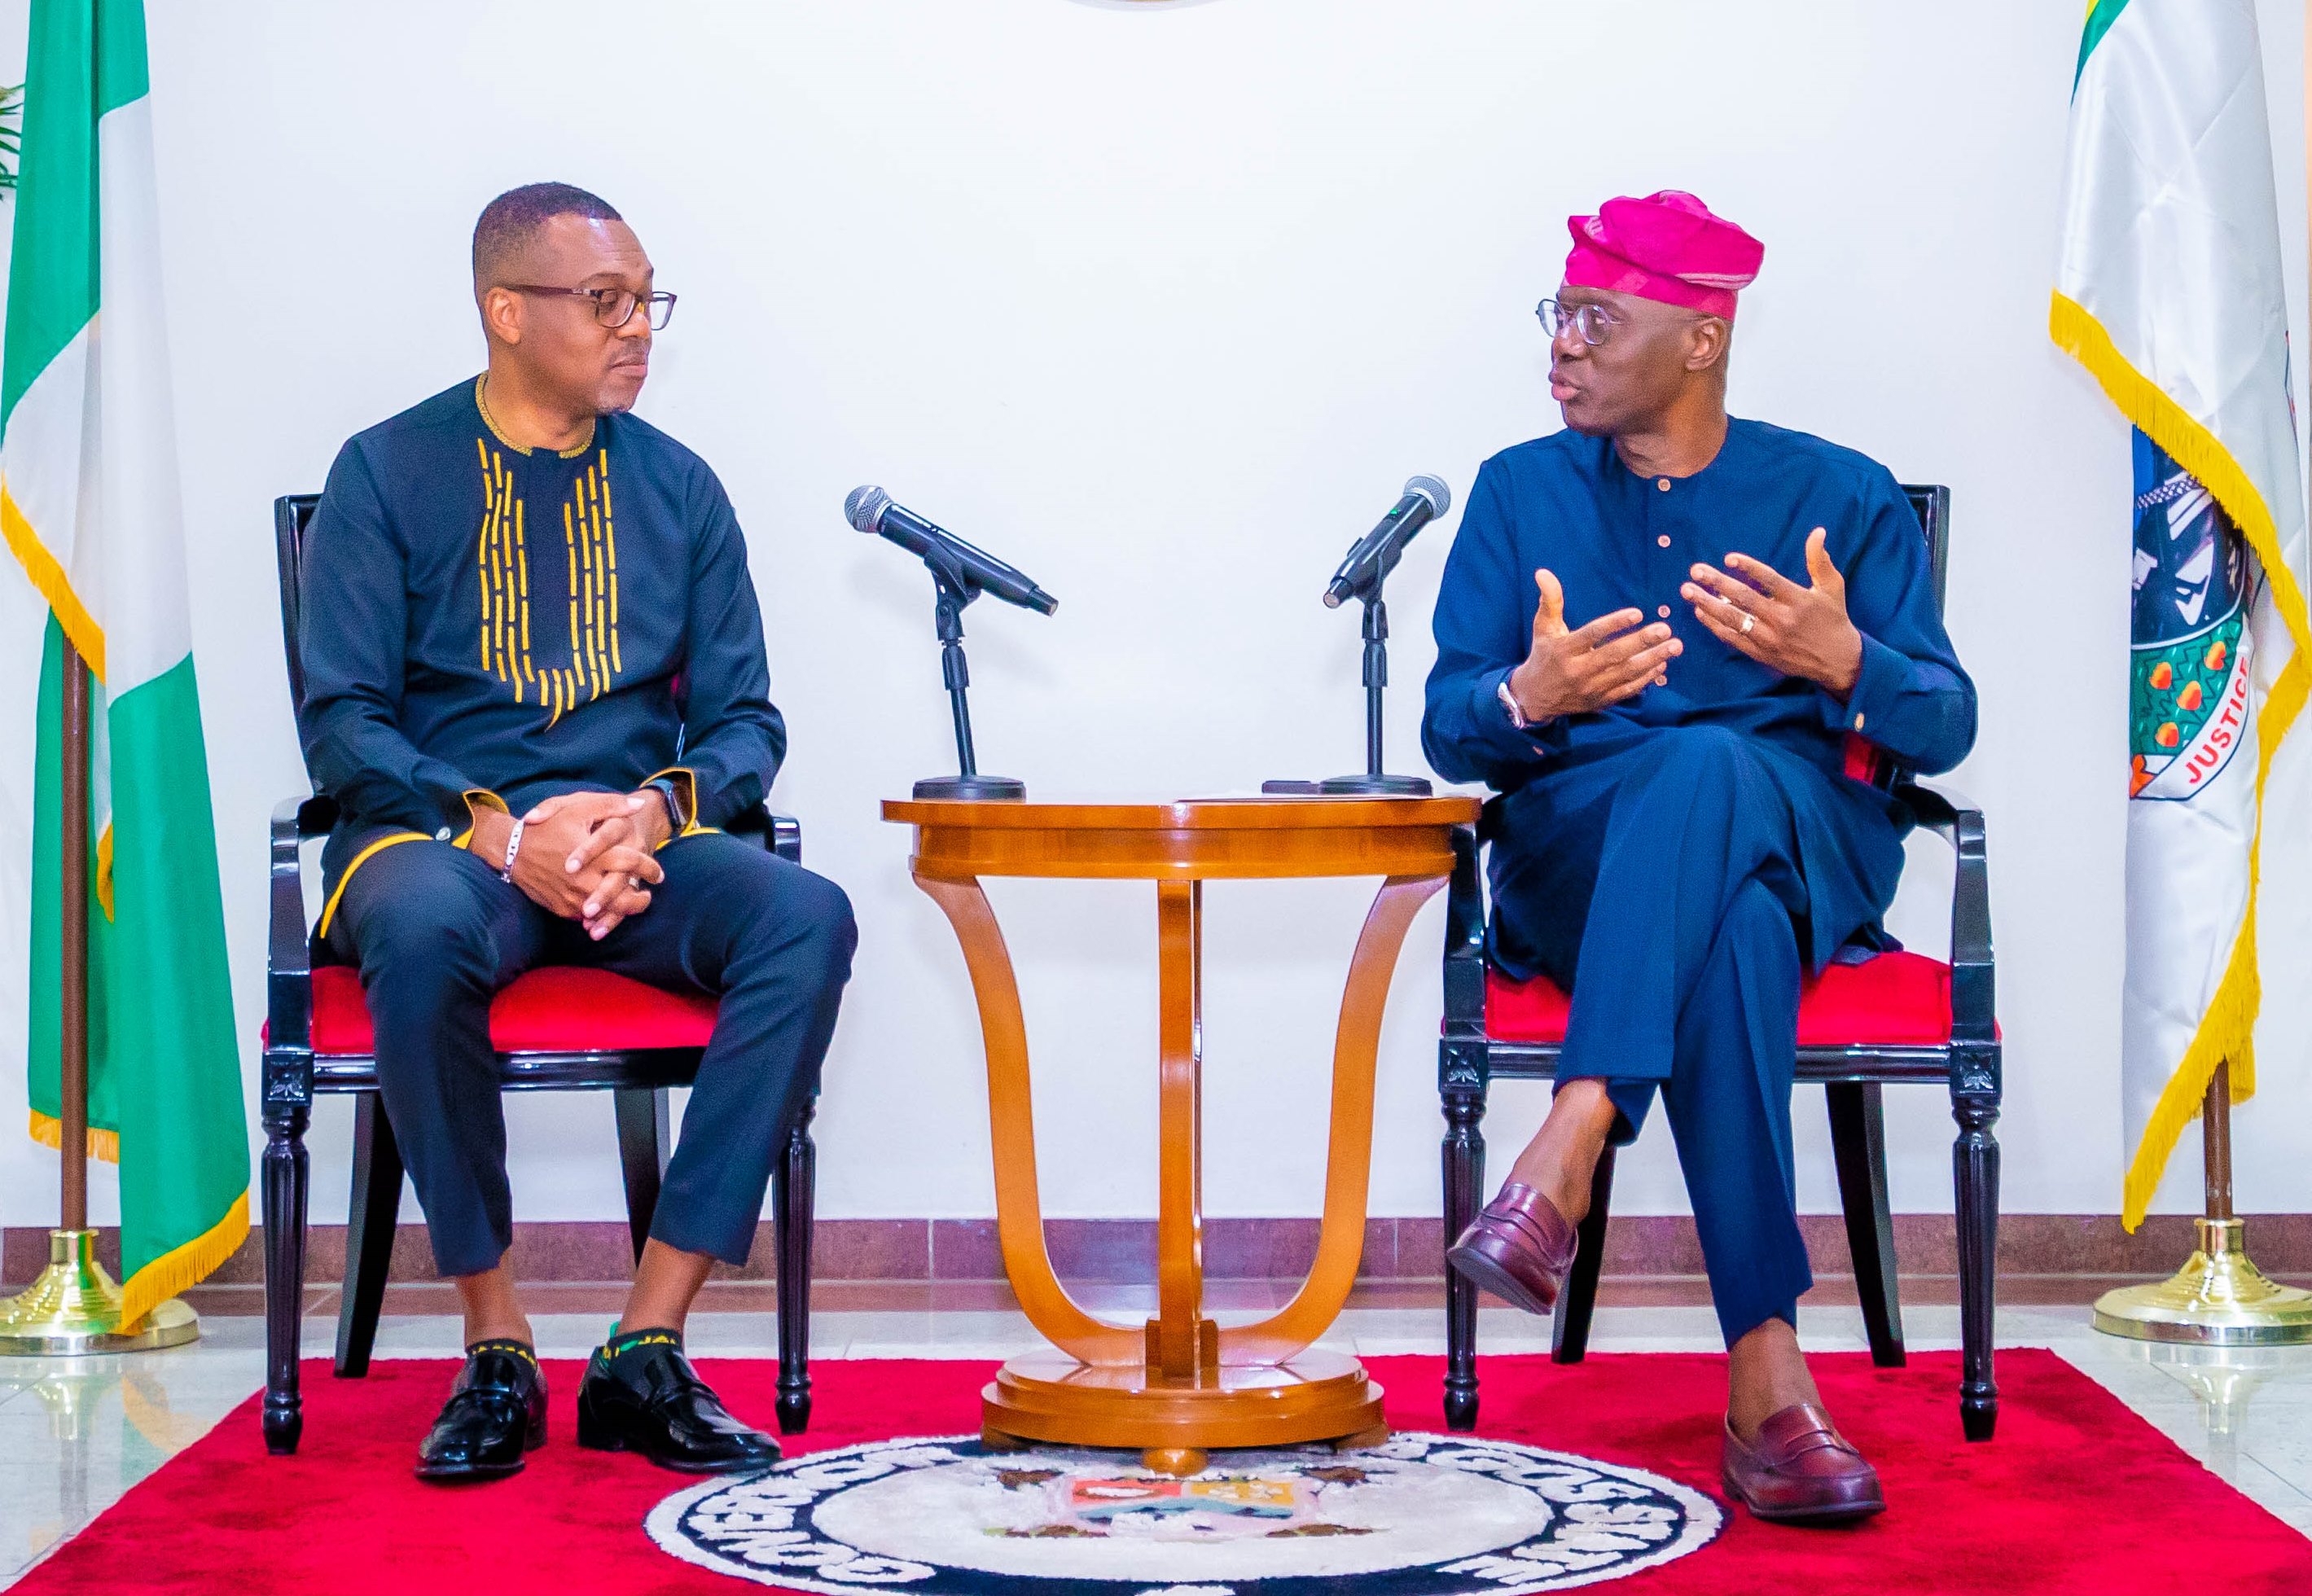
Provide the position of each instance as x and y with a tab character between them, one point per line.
556	1010
1896	999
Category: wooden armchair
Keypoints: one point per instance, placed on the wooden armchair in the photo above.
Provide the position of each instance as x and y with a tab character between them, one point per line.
1898	1017
555	1030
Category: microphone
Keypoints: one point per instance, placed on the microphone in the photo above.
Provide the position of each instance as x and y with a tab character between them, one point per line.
870	509
1376	553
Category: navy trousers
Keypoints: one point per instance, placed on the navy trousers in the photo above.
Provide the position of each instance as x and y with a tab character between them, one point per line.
1662	886
437	934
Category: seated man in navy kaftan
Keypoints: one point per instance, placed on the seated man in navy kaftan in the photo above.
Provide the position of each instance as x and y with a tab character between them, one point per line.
535	683
1658	631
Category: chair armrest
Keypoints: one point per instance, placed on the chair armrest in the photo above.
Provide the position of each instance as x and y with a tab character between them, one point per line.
288	953
1955	818
1464	939
782	834
1940	810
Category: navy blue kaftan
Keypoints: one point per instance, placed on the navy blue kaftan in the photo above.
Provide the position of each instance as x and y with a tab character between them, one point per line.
484	626
1674	861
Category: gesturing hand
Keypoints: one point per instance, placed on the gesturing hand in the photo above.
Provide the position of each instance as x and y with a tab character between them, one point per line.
1799	631
1571	672
588	856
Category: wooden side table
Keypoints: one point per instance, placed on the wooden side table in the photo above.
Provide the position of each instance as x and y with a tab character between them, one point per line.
1180	1383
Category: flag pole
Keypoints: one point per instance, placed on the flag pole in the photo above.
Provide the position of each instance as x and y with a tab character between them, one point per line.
72	915
74	1308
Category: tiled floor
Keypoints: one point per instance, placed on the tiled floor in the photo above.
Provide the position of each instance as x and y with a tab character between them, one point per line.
75	1434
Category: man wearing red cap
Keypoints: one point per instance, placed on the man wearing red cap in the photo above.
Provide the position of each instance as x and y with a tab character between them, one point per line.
1658	631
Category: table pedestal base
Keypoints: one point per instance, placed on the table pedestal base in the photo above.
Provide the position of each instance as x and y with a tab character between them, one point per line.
1317	1395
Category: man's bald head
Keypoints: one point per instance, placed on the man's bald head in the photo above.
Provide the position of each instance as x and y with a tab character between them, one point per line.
510	224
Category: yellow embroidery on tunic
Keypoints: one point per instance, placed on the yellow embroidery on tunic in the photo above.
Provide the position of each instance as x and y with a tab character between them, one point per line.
502	558
521	566
505	573
610	555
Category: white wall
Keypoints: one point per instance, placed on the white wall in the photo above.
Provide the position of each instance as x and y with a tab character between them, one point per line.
1163	303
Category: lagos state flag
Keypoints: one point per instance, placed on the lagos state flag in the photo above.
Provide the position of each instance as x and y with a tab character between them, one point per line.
2169	291
89	506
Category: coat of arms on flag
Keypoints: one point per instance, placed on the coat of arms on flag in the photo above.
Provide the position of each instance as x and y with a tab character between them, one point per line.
2191	692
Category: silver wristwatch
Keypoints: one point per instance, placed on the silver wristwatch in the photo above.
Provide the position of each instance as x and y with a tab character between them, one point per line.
1509	703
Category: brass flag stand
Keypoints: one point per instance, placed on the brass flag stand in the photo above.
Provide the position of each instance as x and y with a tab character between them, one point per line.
74	1308
2218	1298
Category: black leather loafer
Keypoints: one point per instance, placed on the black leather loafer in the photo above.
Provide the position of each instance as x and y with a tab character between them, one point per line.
496	1412
649	1399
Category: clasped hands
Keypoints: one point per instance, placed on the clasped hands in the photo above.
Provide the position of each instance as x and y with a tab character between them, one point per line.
1802	632
584	856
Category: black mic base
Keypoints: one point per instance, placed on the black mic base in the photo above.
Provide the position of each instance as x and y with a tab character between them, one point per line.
1377	786
970	787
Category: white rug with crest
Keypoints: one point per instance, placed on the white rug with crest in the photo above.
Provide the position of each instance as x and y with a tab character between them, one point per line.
1422	1515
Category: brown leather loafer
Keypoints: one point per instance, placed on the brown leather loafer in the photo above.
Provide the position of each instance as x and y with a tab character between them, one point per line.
1519	1247
1797	1469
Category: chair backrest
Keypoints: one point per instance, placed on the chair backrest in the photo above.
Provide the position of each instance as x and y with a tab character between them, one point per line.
1931	502
292	514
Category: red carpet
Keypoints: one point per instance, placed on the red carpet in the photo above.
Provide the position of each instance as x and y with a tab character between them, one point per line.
2075	1496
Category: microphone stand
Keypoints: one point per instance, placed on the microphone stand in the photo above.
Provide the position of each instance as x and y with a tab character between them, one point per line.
1373	781
956	590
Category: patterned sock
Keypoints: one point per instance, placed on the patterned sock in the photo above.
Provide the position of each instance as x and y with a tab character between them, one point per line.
501	1344
625	1341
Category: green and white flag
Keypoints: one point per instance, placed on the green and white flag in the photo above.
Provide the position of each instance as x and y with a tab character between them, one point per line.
89	506
2170	292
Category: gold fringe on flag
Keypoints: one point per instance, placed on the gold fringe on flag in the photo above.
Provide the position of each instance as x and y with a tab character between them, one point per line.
178	1268
186	1266
49	1131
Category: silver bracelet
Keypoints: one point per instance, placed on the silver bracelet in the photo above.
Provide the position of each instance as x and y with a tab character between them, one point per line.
513	847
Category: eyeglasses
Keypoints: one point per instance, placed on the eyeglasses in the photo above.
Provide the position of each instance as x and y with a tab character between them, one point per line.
613	307
1591	321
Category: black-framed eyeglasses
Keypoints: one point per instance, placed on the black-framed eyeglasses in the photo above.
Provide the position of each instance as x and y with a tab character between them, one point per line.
613	307
1591	322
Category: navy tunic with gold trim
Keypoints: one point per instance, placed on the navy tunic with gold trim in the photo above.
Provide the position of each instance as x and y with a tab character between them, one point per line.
485	625
1677	861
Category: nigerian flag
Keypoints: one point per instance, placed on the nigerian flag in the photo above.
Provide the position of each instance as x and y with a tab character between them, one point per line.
89	506
2170	292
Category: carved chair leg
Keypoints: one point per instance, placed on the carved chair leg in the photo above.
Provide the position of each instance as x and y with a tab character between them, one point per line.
1974	1168
645	1140
792	1199
369	1225
1858	1140
284	1180
1569	1327
1464	1155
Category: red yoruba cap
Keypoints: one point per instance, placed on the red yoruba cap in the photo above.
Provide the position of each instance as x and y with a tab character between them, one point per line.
1668	246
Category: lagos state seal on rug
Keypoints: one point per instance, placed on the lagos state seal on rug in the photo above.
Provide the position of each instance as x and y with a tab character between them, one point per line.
1421	1515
